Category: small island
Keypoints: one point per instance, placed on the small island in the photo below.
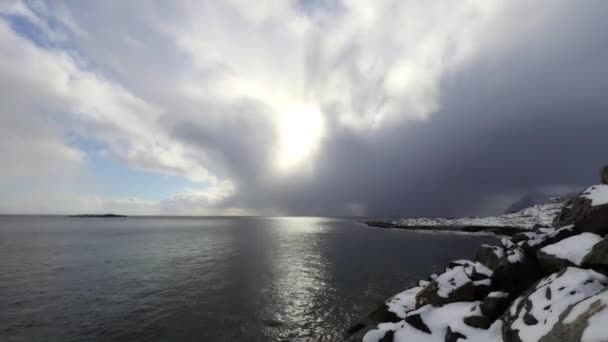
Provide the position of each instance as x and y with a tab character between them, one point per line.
98	215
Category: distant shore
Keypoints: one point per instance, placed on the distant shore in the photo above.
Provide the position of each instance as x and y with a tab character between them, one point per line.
98	215
493	230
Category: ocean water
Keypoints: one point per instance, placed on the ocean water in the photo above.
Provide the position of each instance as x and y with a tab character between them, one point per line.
204	279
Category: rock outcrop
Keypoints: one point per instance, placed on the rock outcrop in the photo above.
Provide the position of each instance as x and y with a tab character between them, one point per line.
587	211
546	284
597	258
535	312
604	174
585	320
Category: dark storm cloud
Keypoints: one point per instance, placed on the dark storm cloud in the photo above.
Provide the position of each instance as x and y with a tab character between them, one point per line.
531	117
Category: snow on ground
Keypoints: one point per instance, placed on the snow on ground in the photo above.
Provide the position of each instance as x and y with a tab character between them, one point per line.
598	194
541	214
574	248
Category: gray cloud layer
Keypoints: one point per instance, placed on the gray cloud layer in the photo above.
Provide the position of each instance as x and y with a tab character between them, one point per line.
508	101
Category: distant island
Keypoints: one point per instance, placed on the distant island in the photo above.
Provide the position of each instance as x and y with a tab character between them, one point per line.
98	215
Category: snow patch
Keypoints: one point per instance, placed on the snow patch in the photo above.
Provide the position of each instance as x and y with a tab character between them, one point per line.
598	194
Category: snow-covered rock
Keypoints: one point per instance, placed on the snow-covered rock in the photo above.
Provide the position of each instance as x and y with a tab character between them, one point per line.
598	194
439	322
489	256
516	271
401	303
533	241
588	211
463	280
585	321
536	311
567	252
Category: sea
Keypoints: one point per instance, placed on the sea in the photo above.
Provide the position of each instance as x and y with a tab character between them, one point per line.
205	278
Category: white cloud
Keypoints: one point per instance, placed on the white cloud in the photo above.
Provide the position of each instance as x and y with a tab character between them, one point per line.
134	75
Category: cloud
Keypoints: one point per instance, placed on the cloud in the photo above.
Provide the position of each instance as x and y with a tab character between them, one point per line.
307	107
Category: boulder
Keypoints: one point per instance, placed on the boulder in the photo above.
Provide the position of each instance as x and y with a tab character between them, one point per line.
578	321
544	237
604	174
404	302
567	252
489	256
598	257
516	271
479	322
535	313
494	305
462	281
382	314
551	264
392	311
588	211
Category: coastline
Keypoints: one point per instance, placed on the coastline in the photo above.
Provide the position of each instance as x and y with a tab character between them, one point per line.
546	280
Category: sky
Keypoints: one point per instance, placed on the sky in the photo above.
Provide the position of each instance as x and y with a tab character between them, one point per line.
299	107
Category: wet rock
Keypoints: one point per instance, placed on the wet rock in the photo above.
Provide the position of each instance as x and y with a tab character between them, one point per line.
382	314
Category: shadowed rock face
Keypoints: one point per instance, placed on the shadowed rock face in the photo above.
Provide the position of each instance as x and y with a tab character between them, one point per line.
604	174
598	257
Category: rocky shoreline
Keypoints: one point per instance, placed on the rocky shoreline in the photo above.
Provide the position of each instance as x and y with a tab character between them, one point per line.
542	283
493	230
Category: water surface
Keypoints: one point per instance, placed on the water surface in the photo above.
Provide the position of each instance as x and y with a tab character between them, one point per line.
204	279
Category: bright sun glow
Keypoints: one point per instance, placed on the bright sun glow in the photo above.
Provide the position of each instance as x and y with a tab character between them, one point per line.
301	129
